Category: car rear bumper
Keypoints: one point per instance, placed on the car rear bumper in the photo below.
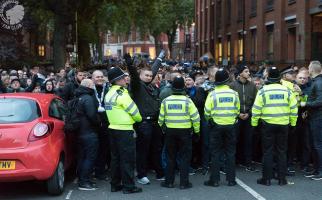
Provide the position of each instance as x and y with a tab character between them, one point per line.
35	162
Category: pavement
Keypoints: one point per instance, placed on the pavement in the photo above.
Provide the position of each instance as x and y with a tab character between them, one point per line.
300	188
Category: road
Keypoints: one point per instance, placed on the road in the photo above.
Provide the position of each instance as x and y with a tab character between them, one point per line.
301	189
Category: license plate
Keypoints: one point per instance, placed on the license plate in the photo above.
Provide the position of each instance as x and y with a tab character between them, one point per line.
7	165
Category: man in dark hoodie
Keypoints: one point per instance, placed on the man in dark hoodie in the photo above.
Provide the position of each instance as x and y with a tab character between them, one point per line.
247	93
87	135
146	96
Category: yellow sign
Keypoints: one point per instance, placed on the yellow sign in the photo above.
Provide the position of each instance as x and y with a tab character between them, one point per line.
7	165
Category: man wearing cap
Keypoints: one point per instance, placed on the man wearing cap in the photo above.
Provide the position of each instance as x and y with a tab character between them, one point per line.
122	113
222	110
247	93
277	107
178	115
288	79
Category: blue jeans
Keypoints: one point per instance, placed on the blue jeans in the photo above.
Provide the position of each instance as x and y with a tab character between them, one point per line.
316	131
88	146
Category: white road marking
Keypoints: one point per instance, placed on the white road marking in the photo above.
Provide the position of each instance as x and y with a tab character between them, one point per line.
69	194
250	190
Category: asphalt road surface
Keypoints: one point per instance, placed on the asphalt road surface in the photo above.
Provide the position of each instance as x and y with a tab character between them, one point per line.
300	188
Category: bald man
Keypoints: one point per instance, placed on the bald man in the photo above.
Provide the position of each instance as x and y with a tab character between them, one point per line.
101	88
314	106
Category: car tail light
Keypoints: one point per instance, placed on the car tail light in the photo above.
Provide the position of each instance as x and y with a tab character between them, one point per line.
40	130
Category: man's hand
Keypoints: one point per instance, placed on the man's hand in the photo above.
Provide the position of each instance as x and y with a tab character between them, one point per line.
304	115
128	60
243	116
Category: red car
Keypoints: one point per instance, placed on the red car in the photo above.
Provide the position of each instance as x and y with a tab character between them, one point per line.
33	145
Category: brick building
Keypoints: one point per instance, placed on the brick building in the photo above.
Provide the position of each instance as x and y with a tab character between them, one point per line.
281	31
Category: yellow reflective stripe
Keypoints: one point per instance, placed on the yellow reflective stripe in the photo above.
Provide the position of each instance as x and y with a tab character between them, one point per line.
257	107
135	112
277	105
196	120
277	115
226	108
225	115
194	114
130	107
176	114
177	121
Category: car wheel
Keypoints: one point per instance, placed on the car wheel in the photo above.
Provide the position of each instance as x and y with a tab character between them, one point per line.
55	184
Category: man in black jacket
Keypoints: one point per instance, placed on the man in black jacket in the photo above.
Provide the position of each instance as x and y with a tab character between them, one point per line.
68	91
146	97
87	134
247	93
103	158
314	106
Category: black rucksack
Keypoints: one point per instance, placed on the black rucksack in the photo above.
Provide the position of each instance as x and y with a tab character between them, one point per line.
73	115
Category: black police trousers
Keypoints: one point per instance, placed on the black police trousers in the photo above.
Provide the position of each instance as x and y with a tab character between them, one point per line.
178	142
122	158
274	144
149	143
222	140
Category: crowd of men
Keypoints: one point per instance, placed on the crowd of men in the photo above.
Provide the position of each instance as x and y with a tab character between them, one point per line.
138	117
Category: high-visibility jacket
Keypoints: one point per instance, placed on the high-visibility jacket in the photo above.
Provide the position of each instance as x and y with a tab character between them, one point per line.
222	105
121	110
275	104
291	86
178	111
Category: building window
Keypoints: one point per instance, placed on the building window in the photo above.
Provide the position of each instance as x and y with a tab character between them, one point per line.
269	5
228	12
41	50
240	47
228	48
253	45
218	14
270	42
253	8
152	52
137	49
240	11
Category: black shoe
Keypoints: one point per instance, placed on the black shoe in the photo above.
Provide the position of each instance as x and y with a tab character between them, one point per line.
116	188
211	183
310	175
133	190
86	187
167	185
264	182
251	168
290	172
186	186
232	183
282	181
317	177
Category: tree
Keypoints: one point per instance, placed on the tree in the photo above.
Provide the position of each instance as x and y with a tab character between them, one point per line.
165	16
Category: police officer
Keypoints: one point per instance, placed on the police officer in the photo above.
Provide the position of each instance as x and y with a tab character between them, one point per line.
178	115
288	77
122	113
222	109
276	106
